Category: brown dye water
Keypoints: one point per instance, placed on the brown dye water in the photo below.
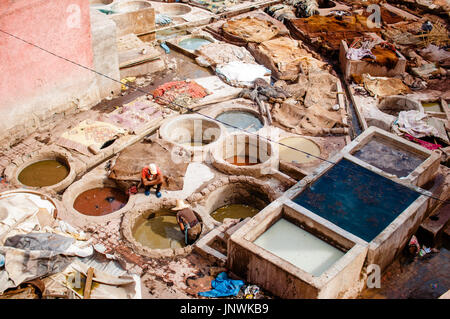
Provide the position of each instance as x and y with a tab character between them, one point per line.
332	29
288	154
43	173
240	160
432	107
235	211
159	230
389	159
100	201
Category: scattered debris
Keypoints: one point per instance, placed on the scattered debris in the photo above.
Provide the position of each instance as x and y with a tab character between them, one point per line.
223	286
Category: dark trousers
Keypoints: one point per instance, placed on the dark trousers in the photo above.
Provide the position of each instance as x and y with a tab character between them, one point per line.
157	186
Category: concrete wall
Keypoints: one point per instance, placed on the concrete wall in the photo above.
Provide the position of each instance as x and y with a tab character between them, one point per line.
36	84
106	58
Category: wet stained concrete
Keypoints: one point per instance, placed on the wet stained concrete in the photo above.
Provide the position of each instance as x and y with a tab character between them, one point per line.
100	201
388	158
43	173
425	277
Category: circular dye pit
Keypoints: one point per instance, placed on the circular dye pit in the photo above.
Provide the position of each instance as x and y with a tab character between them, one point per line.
192	44
190	130
158	230
43	173
130	6
241	119
393	105
235	211
286	153
100	201
174	9
242	154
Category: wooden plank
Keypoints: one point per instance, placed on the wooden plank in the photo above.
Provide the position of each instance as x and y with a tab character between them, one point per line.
88	285
130	49
400	12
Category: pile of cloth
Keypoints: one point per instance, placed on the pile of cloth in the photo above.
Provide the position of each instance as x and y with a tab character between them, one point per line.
312	107
37	249
179	93
382	86
242	74
285	57
281	12
134	116
218	53
250	29
89	136
223	286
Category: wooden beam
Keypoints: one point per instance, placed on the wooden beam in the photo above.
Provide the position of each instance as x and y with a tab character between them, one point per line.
88	285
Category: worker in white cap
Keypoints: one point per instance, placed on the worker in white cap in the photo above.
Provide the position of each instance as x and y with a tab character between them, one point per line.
152	177
188	222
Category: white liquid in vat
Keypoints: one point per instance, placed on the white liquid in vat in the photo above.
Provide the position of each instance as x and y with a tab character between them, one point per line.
300	248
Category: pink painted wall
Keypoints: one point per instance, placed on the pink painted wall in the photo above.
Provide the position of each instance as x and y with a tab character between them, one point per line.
26	71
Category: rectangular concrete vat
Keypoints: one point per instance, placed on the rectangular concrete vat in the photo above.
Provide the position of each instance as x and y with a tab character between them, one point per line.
353	67
284	279
428	161
381	212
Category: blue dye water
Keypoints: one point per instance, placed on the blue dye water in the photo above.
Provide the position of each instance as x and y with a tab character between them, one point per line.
356	199
243	120
193	44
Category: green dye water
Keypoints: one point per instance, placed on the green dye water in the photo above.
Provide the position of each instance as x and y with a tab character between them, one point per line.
235	211
193	44
432	107
43	173
159	230
289	147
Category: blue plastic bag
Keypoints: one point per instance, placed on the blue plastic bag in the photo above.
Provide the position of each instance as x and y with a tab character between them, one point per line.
223	287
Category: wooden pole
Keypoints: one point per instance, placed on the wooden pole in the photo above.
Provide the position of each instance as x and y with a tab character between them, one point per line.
88	285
